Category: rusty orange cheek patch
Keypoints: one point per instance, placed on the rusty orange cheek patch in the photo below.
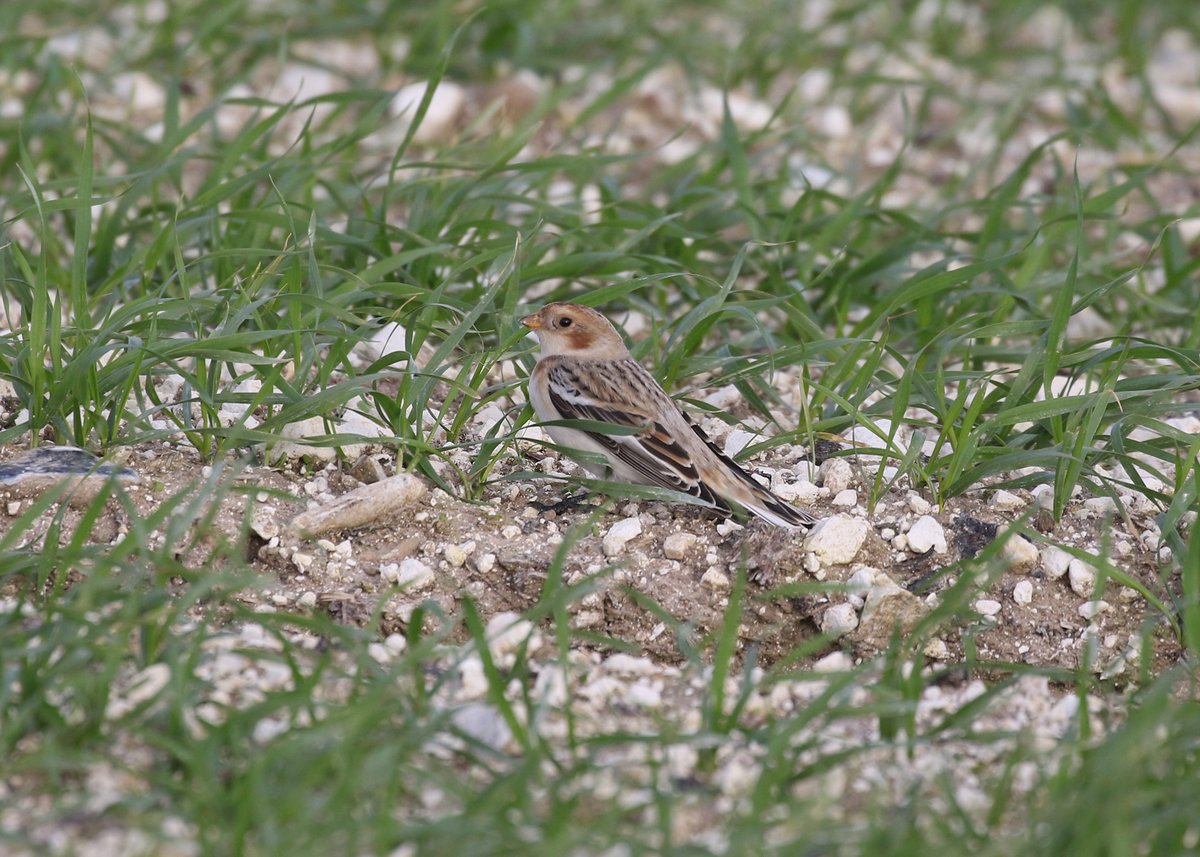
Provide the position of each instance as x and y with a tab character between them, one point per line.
580	339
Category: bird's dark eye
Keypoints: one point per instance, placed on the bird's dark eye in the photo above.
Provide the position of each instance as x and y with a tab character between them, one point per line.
565	321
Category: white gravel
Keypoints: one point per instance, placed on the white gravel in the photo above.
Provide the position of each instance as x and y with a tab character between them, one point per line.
927	534
836	540
620	534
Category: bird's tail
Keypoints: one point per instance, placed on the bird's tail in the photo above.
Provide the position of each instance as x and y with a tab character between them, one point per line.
757	500
775	511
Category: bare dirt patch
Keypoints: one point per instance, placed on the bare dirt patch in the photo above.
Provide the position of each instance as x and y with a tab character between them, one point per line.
502	553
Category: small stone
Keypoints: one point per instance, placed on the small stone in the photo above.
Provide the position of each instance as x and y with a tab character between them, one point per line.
724	398
13	508
1043	496
487	418
987	607
937	649
292	447
620	534
737	775
833	121
862	579
677	545
1101	506
834	662
1082	577
472	677
302	561
1023	592
396	642
1092	609
455	555
737	440
1006	501
505	633
919	505
368	470
837	540
716	580
143	688
725	528
445	109
642	694
1113	668
926	535
1019	555
361	506
379	653
585	619
849	497
630	665
888	607
484	724
141	92
1055	561
484	562
801	491
602	688
410	573
839	620
838	475
355	425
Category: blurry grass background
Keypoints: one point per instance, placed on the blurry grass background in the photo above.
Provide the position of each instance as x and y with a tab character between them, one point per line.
978	220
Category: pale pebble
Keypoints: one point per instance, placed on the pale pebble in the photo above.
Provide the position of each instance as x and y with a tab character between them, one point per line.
716	580
918	504
1006	501
847	498
1019	554
839	620
987	607
837	540
1081	576
1055	561
1092	609
677	545
926	535
619	535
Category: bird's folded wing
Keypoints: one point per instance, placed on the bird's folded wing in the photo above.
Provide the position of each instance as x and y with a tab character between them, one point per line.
652	452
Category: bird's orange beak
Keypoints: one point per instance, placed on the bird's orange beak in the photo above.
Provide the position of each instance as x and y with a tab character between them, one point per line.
533	322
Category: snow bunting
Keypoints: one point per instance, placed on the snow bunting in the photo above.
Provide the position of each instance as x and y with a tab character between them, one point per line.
586	373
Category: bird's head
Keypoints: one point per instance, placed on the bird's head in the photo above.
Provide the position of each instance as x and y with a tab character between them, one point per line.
575	331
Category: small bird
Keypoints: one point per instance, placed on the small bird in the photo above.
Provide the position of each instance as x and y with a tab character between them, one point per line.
586	373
